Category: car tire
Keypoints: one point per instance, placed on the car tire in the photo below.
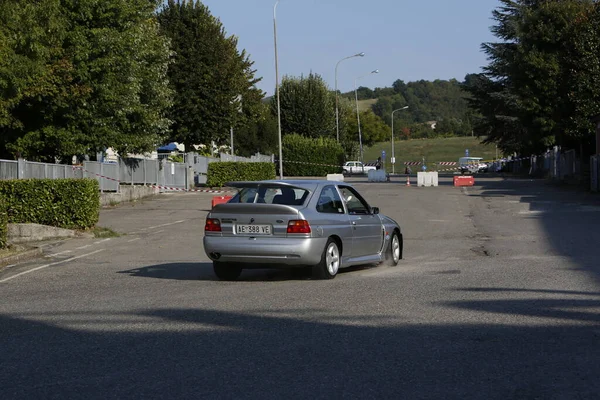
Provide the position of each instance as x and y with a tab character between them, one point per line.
226	271
331	260
393	253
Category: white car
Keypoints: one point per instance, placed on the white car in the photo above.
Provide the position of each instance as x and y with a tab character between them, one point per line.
357	167
471	165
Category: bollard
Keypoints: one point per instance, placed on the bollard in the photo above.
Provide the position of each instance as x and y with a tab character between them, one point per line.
220	200
464	181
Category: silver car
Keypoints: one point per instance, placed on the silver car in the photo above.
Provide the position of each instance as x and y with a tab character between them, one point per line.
326	225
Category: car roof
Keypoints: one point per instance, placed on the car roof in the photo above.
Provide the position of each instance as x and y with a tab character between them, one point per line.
308	184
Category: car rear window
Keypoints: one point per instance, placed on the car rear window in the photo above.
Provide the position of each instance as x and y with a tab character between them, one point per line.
284	195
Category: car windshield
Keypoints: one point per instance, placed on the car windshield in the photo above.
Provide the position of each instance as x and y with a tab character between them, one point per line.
271	195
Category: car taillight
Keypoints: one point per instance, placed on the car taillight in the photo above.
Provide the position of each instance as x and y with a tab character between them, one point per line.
298	226
212	225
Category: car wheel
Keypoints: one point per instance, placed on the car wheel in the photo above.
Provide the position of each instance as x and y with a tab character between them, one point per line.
227	272
393	254
330	261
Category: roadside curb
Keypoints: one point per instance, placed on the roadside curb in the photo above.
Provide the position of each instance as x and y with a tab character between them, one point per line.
20	257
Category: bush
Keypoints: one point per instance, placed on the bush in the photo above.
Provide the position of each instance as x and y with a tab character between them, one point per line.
3	223
220	173
64	203
311	157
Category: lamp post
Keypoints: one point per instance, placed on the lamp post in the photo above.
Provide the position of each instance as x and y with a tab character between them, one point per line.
277	89
358	113
337	118
393	152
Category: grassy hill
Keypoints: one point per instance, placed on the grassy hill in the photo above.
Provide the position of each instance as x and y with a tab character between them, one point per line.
364	105
434	150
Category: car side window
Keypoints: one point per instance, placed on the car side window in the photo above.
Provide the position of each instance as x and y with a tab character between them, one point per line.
355	203
329	201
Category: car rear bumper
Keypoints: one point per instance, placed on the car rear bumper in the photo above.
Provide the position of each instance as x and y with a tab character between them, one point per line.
262	250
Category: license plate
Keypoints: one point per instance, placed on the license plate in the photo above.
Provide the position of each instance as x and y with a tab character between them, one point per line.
254	229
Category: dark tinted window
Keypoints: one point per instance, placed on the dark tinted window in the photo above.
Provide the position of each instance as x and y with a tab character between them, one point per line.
330	201
282	195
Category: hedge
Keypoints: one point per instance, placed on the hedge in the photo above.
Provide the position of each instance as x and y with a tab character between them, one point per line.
64	203
3	223
304	156
220	173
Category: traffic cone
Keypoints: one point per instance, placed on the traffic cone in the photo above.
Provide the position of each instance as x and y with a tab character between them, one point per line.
407	180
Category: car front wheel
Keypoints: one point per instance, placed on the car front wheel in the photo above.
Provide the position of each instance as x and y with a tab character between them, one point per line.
226	272
330	261
393	253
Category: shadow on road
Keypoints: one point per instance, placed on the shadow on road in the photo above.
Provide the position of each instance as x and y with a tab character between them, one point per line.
271	354
569	216
203	271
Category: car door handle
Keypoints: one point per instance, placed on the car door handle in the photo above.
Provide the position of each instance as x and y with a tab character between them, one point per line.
353	222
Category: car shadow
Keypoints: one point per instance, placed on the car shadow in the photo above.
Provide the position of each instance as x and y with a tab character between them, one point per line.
203	271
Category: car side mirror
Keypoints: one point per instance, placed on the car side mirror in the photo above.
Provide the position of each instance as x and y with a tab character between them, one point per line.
375	210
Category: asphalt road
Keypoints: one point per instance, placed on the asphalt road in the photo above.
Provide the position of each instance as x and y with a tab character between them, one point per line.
498	297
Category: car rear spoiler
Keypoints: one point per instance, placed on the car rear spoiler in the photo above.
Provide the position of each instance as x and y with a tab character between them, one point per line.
262	184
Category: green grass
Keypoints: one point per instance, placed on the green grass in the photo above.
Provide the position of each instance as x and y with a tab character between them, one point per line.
364	105
9	251
101	232
434	150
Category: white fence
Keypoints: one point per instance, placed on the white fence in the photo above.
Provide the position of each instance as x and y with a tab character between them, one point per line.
129	171
9	169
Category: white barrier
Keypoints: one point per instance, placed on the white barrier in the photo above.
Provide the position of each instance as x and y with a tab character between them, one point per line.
427	179
378	175
335	177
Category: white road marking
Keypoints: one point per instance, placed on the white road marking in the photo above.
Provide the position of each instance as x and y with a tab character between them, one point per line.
580	209
50	265
83	247
60	253
102	241
160	226
154	227
133	240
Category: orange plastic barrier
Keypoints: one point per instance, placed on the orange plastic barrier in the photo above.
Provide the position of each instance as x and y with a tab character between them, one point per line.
220	200
464	181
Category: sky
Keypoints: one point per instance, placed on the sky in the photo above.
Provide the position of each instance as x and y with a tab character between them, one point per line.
408	40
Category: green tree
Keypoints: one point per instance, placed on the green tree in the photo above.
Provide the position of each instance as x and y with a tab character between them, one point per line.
100	78
373	129
536	91
307	106
208	75
258	136
32	64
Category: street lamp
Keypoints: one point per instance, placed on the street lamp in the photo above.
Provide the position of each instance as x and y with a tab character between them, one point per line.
337	118
277	89
393	153
357	112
